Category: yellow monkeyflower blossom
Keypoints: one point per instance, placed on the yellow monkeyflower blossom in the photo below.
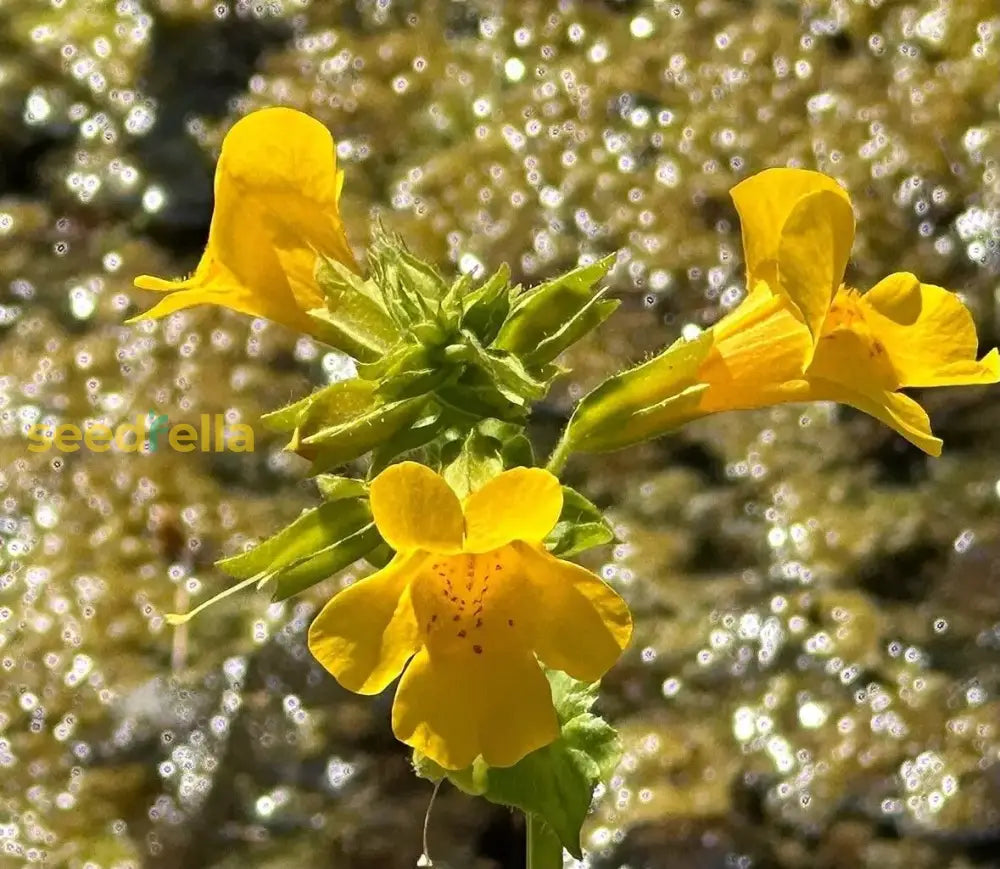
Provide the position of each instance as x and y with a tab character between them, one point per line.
800	334
473	601
276	193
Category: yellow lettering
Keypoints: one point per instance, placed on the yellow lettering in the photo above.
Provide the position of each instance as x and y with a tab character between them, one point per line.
138	432
40	442
98	438
183	437
241	440
67	439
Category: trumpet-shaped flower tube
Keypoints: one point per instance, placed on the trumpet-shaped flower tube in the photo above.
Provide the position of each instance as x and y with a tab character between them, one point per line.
800	334
469	605
276	193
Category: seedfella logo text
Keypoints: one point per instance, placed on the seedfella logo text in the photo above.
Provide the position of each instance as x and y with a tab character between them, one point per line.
151	433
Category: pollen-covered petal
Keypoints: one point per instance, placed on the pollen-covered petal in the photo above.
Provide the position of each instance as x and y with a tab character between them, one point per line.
581	624
898	411
414	508
366	633
455	707
519	504
928	334
765	202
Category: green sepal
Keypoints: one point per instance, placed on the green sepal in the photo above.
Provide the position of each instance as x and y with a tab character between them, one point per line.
415	436
644	402
314	529
408	384
588	318
402	357
334	488
322	565
555	783
508	374
555	314
475	396
581	526
338	444
353	320
399	267
485	309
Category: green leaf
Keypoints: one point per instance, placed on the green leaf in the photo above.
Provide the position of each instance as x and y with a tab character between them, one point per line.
581	526
644	402
337	403
555	783
545	313
315	529
478	462
338	444
334	488
353	320
322	565
380	556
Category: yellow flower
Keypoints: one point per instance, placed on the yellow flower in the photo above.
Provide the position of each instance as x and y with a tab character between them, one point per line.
276	193
472	597
800	334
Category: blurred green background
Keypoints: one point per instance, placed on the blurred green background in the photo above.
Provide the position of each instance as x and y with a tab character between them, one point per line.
814	680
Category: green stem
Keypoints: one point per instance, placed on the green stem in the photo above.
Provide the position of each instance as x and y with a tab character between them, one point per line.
560	455
544	849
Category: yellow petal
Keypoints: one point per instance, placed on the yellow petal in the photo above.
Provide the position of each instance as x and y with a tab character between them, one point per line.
454	708
367	632
764	202
813	252
415	508
898	411
757	349
276	187
798	229
928	334
581	625
519	504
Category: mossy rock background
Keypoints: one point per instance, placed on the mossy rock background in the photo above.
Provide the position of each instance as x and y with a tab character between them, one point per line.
814	680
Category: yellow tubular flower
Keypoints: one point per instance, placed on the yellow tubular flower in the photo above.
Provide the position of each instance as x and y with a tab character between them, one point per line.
801	335
472	596
276	193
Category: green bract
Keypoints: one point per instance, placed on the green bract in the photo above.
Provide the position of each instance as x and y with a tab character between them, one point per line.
433	355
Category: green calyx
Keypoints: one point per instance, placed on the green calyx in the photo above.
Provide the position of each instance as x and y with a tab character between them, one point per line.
433	356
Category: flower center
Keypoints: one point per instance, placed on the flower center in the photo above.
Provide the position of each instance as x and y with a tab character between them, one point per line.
470	603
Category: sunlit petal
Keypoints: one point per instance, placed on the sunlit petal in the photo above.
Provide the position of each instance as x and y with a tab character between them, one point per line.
414	508
581	624
453	709
519	504
367	632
